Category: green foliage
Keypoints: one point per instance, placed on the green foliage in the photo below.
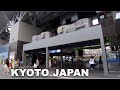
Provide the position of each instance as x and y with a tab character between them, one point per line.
107	39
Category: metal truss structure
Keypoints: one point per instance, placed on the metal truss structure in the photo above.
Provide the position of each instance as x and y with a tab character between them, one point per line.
40	19
7	19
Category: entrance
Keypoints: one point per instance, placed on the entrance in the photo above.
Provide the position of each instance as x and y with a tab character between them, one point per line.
77	55
33	55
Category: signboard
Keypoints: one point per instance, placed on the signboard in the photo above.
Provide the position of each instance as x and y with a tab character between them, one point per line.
55	51
72	27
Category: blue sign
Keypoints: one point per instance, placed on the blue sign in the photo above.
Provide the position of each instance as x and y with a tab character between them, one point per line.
54	51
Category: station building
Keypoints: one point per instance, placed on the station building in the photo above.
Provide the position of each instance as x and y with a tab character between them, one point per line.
44	34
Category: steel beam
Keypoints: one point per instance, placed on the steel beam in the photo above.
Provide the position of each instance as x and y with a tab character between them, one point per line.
3	29
5	16
47	57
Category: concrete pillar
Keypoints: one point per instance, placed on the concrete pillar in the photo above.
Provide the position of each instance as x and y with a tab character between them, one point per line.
24	58
105	65
114	15
61	58
47	57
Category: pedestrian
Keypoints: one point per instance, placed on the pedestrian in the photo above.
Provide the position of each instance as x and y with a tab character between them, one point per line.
16	65
35	66
55	62
10	63
37	63
92	63
100	62
18	61
72	60
6	66
13	63
50	62
21	62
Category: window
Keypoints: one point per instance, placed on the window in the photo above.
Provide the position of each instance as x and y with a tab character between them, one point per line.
95	21
117	15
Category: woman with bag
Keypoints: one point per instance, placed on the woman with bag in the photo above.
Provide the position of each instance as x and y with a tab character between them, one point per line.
92	63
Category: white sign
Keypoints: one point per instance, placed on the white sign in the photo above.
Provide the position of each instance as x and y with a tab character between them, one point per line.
72	27
46	72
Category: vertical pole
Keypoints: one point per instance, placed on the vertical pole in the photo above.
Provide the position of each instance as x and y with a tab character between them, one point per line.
114	15
61	58
47	57
105	66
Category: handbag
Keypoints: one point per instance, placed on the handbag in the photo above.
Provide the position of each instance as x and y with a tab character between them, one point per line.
35	65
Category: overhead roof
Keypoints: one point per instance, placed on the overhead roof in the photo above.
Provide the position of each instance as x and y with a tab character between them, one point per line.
37	18
5	17
43	17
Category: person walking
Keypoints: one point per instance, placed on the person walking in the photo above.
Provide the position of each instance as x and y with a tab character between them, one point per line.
10	63
50	62
16	63
55	62
37	63
72	60
92	63
6	66
13	63
100	62
21	62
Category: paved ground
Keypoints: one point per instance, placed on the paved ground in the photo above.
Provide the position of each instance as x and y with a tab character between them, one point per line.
2	74
96	75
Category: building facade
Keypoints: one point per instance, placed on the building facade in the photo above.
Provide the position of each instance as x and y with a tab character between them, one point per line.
60	30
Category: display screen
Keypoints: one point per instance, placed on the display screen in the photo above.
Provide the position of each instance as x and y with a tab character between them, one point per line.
55	51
